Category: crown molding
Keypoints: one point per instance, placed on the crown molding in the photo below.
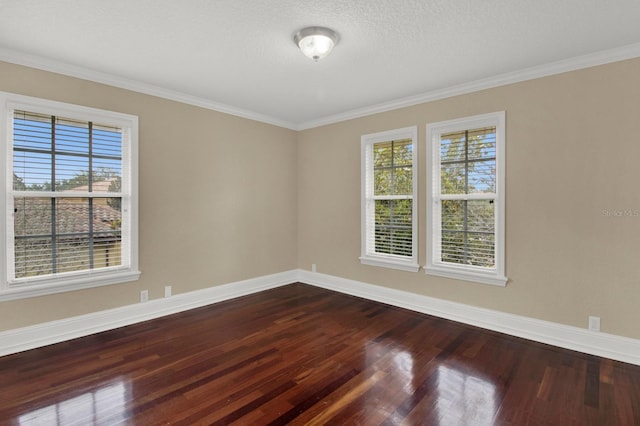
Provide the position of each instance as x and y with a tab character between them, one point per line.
58	67
571	64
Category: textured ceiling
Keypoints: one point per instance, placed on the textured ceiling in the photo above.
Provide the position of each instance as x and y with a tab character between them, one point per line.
239	56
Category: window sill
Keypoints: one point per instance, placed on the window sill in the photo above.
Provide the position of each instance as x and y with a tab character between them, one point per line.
409	266
68	283
466	275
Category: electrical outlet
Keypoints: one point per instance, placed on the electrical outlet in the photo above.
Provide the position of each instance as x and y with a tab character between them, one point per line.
167	291
594	323
144	296
313	267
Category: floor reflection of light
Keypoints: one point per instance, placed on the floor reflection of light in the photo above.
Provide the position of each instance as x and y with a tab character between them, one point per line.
106	405
397	361
403	362
464	398
398	367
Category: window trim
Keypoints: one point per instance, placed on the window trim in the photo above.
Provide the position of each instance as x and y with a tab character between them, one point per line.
494	276
43	285
388	260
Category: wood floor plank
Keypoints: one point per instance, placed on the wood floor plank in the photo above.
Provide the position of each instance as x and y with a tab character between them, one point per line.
298	355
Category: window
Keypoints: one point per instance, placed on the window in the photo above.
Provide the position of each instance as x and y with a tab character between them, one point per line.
389	185
465	199
71	213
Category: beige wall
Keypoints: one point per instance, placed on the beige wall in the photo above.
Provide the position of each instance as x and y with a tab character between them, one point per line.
217	197
573	150
224	198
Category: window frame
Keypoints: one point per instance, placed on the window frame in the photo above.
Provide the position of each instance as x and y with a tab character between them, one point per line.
496	275
369	256
11	289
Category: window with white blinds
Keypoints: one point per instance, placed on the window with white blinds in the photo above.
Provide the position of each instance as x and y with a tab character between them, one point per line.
72	203
388	199
465	199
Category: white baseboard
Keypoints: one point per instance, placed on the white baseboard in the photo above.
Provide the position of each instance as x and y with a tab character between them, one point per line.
22	339
574	338
582	340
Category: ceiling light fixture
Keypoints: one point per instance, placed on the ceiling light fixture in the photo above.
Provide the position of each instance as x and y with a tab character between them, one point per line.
316	42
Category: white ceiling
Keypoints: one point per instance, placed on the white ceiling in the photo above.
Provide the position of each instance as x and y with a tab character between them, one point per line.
238	56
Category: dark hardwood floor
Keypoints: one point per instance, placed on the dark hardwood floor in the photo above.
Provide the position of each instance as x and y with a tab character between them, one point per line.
304	355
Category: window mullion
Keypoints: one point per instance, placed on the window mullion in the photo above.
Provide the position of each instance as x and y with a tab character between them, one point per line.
392	197
469	197
54	260
91	240
465	203
392	205
393	169
90	200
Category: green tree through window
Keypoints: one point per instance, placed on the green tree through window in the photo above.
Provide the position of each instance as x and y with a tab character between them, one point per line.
468	166
388	199
465	198
392	169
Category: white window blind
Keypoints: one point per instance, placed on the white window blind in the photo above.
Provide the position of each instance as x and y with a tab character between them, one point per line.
67	177
468	167
388	199
71	202
465	199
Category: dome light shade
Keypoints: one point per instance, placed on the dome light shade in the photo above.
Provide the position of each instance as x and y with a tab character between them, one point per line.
316	42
